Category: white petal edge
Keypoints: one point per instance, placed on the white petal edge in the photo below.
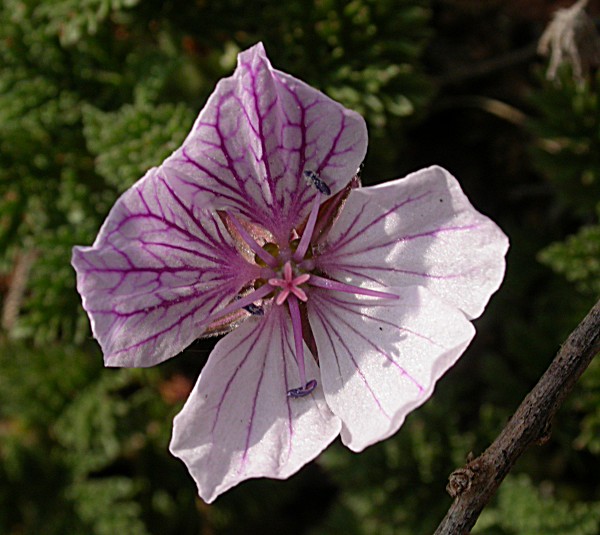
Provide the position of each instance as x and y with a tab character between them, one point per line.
419	230
238	422
257	134
157	269
380	359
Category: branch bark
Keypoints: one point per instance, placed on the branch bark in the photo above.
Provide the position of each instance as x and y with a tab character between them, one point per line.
474	485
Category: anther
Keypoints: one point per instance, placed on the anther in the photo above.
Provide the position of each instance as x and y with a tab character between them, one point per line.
237	304
255	310
314	179
303	390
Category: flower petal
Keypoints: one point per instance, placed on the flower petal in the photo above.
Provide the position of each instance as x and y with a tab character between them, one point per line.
418	230
381	359
157	268
259	131
239	423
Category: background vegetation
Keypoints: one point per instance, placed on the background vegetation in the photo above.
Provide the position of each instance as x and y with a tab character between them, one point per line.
94	92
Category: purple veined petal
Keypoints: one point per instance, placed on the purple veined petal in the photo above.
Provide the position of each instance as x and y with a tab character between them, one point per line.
258	133
158	267
420	230
381	359
239	422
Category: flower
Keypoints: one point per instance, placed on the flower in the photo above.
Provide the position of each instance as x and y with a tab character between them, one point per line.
346	303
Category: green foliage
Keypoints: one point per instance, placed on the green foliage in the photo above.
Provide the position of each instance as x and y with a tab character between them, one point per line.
29	403
586	404
523	509
70	19
568	140
577	258
91	443
364	52
383	490
96	426
126	143
357	56
106	505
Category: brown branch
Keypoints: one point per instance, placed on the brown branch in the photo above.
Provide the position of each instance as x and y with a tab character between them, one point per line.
474	485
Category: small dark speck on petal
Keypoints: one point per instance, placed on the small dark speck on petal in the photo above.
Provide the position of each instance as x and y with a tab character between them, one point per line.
381	328
317	182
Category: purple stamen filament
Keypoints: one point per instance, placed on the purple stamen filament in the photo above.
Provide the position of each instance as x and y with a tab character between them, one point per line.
242	302
257	249
308	230
298	341
328	284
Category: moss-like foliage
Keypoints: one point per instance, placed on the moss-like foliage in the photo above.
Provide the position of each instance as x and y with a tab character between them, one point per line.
523	508
578	258
568	140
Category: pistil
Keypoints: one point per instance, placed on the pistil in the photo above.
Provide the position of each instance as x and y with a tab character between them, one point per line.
289	284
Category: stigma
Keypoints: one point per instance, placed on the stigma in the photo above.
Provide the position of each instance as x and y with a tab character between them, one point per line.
289	285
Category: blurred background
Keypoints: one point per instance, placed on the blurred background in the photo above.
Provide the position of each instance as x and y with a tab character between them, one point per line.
94	92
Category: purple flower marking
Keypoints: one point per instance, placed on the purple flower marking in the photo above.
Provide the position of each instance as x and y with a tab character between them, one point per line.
345	304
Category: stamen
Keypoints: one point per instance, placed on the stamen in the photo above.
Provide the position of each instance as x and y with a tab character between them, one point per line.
242	302
328	284
257	249
315	180
308	230
303	390
331	209
309	386
255	310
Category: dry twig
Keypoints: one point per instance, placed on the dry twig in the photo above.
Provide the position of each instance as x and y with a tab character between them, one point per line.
474	485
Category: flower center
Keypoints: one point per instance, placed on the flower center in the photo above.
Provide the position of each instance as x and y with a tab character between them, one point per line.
283	272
